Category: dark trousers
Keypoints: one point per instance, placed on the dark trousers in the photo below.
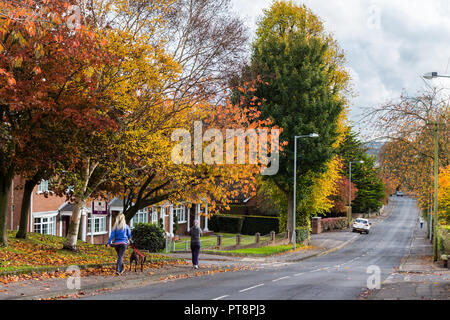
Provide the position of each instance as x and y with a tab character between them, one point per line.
195	248
120	249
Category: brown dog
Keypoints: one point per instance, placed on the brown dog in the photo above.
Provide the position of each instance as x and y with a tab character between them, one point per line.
138	259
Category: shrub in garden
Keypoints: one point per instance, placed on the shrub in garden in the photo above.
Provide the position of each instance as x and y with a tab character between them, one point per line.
301	234
149	237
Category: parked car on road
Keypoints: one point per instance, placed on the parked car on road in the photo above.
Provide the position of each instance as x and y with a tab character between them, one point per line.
399	194
361	225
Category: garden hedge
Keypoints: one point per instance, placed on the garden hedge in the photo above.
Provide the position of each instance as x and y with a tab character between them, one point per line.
334	223
248	225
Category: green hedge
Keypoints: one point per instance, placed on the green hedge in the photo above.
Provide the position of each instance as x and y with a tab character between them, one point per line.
228	224
248	225
263	225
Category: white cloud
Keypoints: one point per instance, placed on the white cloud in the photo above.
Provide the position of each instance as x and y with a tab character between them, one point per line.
388	44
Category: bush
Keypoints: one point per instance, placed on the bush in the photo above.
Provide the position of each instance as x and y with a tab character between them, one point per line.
301	234
149	237
334	223
443	240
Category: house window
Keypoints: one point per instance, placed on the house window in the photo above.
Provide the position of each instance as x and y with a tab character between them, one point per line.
140	217
179	212
99	224
45	225
43	186
155	215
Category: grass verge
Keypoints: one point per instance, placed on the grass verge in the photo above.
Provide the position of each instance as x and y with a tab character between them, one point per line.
262	251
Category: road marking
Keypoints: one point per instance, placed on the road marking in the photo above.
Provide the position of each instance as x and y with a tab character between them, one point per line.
299	274
316	270
280	279
258	285
221	297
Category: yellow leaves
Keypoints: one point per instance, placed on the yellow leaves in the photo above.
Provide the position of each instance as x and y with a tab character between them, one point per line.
444	193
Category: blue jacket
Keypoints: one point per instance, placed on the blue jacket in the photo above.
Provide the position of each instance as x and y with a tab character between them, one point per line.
120	236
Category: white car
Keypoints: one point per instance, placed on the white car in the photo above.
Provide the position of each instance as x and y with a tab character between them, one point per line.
399	194
361	225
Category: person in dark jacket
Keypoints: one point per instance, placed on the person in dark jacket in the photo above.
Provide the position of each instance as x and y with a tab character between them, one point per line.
196	233
121	234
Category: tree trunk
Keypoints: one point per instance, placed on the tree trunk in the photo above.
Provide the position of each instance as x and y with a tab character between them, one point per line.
130	213
80	199
24	209
5	186
290	214
72	234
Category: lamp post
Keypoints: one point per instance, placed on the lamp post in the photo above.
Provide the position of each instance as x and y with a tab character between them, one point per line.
311	135
432	75
350	190
429	76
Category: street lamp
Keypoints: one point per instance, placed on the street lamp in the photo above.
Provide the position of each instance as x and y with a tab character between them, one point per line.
311	135
350	190
433	75
429	76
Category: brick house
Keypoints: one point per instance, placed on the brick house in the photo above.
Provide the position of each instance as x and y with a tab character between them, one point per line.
50	214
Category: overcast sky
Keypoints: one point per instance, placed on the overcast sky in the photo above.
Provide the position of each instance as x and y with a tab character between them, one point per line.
388	44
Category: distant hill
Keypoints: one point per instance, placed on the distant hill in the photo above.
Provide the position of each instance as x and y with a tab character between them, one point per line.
374	147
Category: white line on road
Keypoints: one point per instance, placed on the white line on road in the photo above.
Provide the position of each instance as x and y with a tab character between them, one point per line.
218	298
280	279
299	274
258	285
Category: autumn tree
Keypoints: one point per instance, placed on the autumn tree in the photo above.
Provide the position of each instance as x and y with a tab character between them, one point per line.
303	91
43	84
208	44
133	85
444	195
407	125
341	198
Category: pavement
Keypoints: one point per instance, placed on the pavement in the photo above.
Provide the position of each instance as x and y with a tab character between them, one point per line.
418	276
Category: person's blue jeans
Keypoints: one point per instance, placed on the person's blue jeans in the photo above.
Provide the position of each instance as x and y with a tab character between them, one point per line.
120	249
195	248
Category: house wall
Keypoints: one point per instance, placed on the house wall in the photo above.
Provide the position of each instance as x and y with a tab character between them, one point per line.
41	204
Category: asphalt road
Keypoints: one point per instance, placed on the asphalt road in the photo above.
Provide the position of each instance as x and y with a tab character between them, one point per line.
343	274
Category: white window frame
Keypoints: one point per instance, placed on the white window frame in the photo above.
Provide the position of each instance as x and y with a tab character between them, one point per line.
101	219
140	217
50	223
43	186
154	218
180	212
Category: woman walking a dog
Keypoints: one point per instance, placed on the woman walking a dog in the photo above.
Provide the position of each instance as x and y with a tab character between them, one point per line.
196	232
121	234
